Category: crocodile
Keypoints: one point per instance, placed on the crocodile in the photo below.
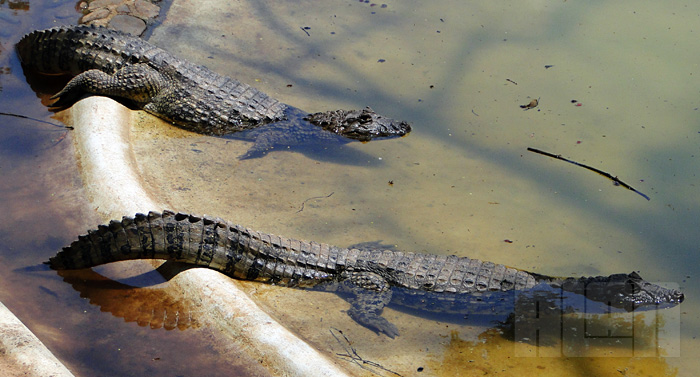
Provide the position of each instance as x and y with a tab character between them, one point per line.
112	63
368	278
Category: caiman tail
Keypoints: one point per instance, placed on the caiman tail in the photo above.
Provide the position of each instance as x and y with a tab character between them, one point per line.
234	250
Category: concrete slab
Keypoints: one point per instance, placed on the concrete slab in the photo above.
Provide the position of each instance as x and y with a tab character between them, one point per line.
22	353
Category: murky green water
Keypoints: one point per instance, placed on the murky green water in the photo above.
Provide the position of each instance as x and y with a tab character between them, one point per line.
462	182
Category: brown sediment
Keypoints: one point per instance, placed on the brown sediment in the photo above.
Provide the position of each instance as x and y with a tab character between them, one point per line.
495	354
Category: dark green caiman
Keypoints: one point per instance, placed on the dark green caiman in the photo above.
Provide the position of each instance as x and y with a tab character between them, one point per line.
370	278
111	63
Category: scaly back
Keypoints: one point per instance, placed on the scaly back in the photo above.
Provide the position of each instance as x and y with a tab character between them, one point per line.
75	49
246	254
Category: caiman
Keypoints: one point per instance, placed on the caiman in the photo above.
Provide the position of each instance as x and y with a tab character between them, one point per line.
111	63
369	278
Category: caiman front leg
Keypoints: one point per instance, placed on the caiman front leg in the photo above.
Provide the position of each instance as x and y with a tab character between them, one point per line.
137	82
370	293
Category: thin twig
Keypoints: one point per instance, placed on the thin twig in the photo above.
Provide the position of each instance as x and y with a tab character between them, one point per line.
615	180
352	354
315	197
34	119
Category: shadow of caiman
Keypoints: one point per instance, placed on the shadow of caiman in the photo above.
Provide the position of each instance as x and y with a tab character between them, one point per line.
369	279
111	63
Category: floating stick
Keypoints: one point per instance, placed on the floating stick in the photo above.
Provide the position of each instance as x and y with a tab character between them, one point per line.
34	119
615	180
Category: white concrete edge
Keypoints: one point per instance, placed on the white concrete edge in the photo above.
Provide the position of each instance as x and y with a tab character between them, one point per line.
111	178
107	161
28	353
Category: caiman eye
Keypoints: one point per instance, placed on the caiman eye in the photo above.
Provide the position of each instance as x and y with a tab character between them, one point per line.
631	287
365	118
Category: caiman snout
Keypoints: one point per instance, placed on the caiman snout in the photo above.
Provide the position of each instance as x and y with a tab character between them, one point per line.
678	297
362	125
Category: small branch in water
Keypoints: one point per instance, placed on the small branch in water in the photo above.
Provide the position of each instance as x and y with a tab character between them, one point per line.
615	180
351	353
315	197
34	119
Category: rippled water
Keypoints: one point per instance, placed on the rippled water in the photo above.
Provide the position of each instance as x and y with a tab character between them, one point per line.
463	182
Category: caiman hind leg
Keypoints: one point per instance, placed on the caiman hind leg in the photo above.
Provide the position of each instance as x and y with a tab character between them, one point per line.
370	293
137	82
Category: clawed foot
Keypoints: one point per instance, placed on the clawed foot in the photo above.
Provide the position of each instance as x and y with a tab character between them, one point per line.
63	100
375	323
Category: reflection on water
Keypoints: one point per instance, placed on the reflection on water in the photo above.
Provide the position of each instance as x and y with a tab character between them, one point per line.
3	69
15	5
153	307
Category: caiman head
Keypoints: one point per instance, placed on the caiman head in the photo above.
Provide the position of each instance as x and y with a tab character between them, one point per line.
624	291
362	125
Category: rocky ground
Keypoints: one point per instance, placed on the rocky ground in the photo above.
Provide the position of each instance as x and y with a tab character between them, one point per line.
130	16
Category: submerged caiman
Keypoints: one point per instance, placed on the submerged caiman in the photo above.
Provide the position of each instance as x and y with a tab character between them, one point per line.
370	278
111	63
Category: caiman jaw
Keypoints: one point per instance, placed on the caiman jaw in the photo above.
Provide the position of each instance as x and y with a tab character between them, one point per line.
362	125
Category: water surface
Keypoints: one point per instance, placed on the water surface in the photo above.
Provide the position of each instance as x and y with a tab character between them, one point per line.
462	183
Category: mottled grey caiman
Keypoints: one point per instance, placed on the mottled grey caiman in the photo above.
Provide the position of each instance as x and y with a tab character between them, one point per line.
111	63
370	278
